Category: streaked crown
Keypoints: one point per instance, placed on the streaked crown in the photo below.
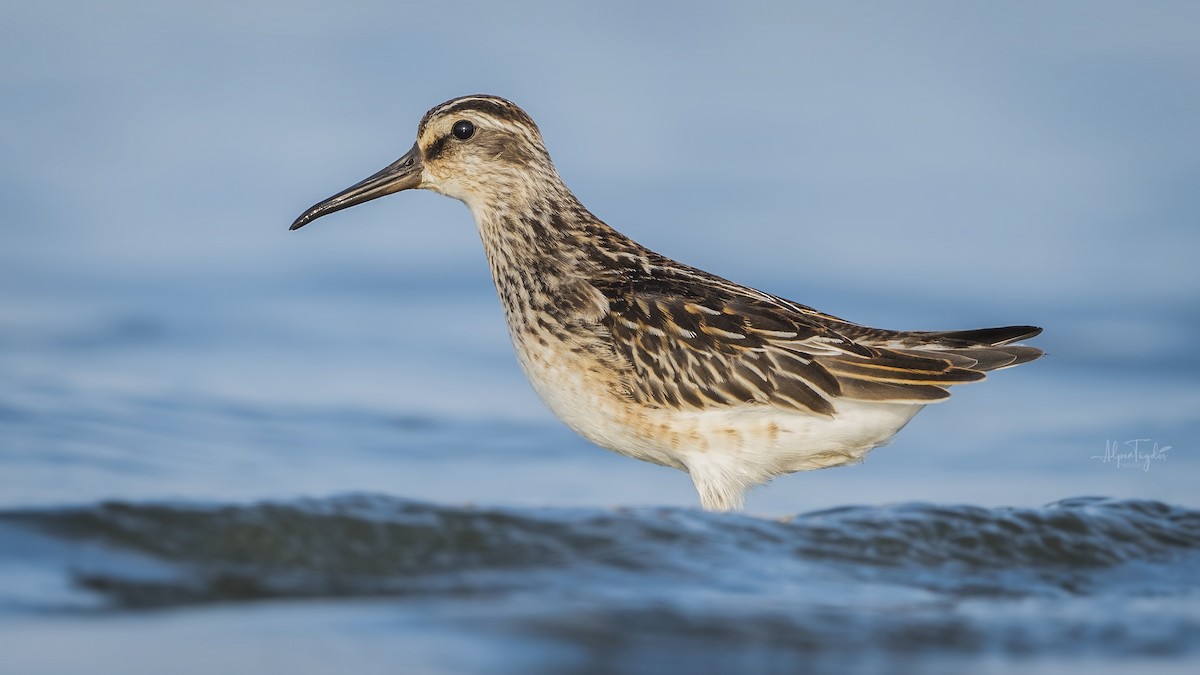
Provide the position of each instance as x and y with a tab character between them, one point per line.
471	139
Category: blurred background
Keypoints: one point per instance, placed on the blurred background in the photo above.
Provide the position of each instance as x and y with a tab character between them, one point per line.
915	165
910	165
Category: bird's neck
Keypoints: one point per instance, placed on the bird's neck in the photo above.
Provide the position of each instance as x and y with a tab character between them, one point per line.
542	246
540	225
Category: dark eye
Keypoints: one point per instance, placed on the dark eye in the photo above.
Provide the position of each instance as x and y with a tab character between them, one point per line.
463	130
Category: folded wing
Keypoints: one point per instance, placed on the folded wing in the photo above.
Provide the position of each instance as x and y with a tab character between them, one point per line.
732	348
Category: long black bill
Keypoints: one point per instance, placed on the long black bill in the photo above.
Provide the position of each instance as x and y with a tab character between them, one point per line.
402	174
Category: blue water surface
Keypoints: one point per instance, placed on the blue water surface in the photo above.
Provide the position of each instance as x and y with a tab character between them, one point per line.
164	340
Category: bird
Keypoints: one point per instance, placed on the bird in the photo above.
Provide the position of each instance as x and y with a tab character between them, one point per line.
658	360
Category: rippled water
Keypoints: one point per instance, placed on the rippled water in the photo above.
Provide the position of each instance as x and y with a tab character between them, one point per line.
586	590
425	510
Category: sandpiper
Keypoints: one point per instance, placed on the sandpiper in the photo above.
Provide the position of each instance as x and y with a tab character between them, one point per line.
658	360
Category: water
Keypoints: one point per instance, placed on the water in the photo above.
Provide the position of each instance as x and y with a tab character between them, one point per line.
639	590
424	510
229	448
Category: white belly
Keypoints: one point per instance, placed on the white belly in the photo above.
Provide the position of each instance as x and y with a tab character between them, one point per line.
755	442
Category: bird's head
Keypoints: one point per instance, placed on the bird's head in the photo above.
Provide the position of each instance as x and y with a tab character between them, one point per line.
478	149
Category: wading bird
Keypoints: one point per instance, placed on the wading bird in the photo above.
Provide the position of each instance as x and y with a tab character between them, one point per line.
658	360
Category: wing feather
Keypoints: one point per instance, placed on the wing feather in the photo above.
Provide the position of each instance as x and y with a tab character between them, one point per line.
696	341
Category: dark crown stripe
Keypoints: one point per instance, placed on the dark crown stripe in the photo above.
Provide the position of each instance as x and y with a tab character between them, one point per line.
489	105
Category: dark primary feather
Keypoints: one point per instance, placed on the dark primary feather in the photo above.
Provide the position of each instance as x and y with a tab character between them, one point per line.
989	336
